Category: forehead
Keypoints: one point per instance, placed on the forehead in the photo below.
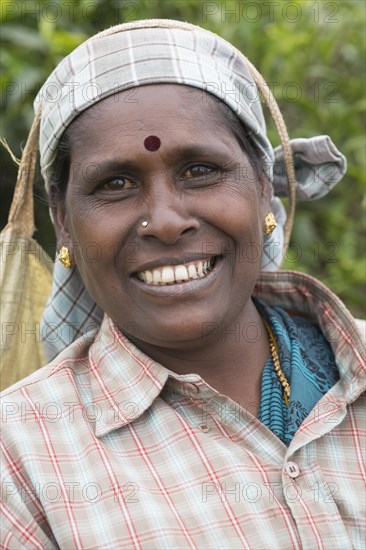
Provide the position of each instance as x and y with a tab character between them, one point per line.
153	109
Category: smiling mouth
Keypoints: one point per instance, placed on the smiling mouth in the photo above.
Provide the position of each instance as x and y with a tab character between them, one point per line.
177	274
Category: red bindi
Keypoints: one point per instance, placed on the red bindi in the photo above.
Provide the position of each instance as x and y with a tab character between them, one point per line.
152	143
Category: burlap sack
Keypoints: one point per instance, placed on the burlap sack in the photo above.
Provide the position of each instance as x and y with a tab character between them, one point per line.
25	278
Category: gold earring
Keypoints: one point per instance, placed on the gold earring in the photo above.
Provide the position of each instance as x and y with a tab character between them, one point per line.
270	223
64	257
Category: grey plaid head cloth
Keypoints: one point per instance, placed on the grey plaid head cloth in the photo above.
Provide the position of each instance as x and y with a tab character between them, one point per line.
164	51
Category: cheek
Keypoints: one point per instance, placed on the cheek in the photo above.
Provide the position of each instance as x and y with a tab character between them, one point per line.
241	210
96	236
238	212
95	250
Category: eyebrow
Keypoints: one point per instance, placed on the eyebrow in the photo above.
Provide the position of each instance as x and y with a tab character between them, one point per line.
190	152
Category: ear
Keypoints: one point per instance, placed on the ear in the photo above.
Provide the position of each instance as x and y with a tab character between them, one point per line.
60	222
264	194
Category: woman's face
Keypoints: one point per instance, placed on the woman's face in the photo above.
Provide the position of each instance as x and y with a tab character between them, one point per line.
199	195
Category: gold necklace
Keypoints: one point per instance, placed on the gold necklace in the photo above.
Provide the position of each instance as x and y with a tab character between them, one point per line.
276	362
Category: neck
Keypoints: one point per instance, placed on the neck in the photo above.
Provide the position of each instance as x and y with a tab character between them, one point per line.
230	361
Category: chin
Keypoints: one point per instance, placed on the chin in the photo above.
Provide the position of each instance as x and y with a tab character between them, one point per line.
173	335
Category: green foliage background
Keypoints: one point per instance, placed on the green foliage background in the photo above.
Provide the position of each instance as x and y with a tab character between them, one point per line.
310	52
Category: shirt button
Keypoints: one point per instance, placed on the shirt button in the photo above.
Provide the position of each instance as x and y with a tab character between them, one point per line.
191	388
204	428
292	469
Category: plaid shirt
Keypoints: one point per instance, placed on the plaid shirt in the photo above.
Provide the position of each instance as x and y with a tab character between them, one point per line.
105	448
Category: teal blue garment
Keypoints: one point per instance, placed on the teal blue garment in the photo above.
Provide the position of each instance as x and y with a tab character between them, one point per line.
308	364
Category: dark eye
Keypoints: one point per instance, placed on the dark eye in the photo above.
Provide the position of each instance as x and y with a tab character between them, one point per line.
117	184
198	170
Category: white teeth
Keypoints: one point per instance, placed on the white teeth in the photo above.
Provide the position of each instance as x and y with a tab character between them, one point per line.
157	276
181	273
192	272
176	274
167	275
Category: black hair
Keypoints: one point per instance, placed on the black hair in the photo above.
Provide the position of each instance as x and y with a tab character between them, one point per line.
244	139
61	171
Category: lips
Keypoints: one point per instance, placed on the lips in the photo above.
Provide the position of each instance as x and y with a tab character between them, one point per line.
175	274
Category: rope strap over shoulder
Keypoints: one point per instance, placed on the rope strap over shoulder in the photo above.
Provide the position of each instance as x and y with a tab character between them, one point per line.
286	147
21	214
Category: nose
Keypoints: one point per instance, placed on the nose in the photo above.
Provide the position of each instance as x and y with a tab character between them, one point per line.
167	216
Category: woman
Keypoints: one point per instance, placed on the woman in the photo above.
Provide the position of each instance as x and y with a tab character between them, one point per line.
216	406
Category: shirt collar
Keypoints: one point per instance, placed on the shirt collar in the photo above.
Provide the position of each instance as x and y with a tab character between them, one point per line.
125	381
301	294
